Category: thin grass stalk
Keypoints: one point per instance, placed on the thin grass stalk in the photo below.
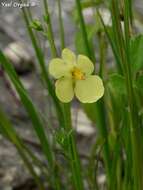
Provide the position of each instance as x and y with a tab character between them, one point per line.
30	154
34	116
100	117
33	113
61	25
125	56
123	47
102	126
74	161
119	40
117	32
134	121
96	149
116	164
102	54
114	49
116	135
84	32
100	113
130	2
50	33
119	66
128	178
43	67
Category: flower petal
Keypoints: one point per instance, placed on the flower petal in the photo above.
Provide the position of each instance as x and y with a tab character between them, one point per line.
89	90
68	56
85	65
64	89
57	68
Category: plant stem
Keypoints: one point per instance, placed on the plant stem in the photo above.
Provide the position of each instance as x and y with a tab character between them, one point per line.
43	67
133	116
123	43
34	116
101	123
113	45
50	33
84	32
73	152
103	53
61	26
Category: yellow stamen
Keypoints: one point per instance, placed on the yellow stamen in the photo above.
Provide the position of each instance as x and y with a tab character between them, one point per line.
78	74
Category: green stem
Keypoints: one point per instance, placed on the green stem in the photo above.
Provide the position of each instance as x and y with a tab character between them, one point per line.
102	126
34	116
133	116
103	53
112	43
50	33
61	26
117	33
73	152
36	161
43	67
84	32
123	44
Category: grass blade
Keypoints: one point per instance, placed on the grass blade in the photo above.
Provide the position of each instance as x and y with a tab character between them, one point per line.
31	110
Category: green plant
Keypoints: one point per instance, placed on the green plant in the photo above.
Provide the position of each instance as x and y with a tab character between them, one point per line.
118	115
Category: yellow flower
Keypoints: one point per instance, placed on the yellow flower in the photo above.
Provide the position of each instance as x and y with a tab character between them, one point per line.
74	77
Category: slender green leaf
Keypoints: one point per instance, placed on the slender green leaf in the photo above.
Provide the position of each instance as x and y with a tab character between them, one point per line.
136	53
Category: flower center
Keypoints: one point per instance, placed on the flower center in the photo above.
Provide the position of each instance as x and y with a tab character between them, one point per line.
78	74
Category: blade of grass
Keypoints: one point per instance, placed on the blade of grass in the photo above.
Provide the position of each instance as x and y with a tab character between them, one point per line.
93	164
99	108
74	161
113	46
84	32
13	132
50	33
122	42
44	71
135	131
32	111
61	26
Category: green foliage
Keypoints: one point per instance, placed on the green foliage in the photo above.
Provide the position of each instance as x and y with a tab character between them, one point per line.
36	25
79	41
117	85
61	137
90	111
118	116
139	83
136	53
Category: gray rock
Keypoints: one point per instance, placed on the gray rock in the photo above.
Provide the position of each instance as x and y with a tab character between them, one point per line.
18	54
12	169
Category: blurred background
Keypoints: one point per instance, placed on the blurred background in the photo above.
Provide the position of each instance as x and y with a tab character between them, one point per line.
13	35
